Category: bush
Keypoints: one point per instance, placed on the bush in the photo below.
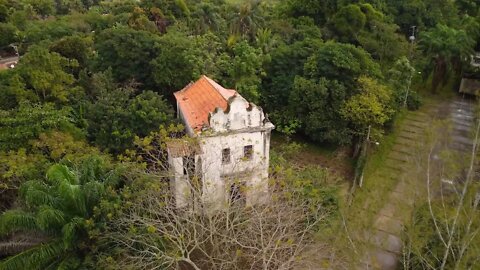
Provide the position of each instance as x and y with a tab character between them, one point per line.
414	101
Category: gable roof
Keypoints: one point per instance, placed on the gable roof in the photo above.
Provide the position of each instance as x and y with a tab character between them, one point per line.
198	99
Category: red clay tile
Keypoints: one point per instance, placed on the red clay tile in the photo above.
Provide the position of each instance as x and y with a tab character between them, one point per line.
200	98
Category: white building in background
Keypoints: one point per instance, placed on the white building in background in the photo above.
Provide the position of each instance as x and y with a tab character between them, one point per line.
230	154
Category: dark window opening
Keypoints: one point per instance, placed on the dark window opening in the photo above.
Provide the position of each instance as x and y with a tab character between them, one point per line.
226	156
237	193
188	165
248	152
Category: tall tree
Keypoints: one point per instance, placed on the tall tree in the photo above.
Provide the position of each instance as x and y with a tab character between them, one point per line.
443	45
18	126
8	34
370	108
400	78
246	70
128	53
47	75
248	18
329	79
116	114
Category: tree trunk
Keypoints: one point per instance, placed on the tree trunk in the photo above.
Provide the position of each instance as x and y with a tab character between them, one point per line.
438	73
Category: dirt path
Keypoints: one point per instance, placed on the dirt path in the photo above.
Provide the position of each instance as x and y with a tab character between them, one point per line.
383	239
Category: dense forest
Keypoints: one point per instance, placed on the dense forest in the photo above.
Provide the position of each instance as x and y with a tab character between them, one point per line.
92	97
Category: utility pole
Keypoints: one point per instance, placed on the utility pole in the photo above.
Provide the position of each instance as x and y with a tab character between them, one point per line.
412	40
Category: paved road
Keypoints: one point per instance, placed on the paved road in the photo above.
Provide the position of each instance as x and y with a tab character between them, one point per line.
6	62
8	59
384	239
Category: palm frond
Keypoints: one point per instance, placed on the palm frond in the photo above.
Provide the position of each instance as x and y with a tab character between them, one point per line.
93	192
69	263
91	169
73	197
16	220
36	193
114	177
70	231
34	258
58	174
49	219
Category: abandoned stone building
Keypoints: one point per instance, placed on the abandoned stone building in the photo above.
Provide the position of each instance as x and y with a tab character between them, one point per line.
230	155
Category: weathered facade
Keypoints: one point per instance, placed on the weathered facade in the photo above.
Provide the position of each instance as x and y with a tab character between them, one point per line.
230	156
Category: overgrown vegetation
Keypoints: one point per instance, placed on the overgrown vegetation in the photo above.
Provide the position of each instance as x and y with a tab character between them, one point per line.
96	76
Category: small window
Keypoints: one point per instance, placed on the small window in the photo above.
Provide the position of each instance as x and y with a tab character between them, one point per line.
188	165
226	156
237	194
248	152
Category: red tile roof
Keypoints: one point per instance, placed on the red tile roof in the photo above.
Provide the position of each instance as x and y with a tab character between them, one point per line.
198	99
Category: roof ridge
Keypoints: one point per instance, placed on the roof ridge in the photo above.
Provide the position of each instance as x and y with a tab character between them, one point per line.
186	87
212	83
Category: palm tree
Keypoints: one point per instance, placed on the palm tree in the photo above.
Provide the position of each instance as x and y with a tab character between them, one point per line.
207	17
265	40
446	46
58	209
248	18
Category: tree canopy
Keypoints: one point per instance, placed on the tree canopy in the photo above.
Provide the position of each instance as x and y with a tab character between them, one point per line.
93	89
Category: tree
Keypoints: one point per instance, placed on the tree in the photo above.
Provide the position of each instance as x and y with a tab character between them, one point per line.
46	74
349	21
18	126
442	45
371	107
44	8
248	18
320	11
173	9
380	36
329	80
8	34
342	62
400	80
46	30
174	50
270	236
206	17
246	70
3	11
207	56
148	111
13	90
16	167
117	115
469	7
139	21
61	209
74	47
32	160
128	53
424	14
68	6
287	61
152	231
